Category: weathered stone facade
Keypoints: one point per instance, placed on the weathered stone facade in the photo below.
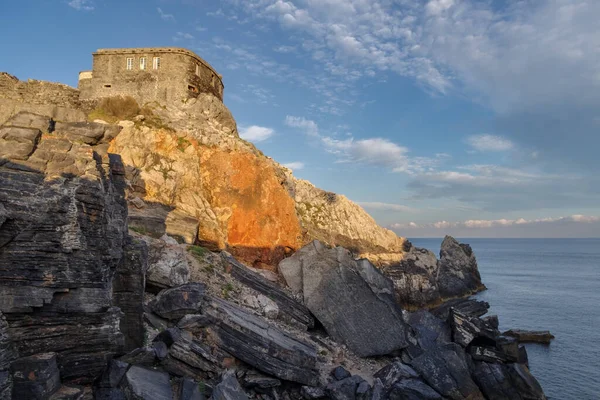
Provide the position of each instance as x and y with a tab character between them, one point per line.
163	75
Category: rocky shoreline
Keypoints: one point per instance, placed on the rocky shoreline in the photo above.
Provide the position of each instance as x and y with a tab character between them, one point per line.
92	309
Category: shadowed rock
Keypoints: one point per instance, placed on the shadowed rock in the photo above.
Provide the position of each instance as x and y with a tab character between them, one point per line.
507	382
7	355
458	274
35	377
446	370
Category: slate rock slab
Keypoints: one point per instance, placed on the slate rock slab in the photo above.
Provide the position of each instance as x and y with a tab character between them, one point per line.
349	298
260	343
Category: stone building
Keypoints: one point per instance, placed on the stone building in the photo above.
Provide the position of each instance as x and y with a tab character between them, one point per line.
164	74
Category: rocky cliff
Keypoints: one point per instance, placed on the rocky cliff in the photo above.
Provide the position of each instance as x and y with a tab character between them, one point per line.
78	321
212	187
188	174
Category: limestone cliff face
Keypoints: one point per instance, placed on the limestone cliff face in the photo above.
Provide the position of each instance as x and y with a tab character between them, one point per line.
223	189
334	219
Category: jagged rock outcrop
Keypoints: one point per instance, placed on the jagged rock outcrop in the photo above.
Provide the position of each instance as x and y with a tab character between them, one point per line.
457	273
421	280
63	235
348	297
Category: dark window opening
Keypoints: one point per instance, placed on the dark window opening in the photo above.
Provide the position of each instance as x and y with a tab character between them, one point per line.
107	86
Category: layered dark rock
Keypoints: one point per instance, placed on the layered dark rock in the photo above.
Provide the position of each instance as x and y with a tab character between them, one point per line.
63	234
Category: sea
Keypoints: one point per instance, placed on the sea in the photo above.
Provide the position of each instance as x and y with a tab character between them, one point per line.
546	284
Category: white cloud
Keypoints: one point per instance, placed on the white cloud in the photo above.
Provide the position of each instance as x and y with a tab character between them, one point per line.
179	36
437	7
82	5
499	188
308	126
256	133
284	49
569	226
384	206
294	166
373	151
496	223
164	16
487	142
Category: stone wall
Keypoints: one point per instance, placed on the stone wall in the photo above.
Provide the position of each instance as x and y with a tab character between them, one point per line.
181	75
55	100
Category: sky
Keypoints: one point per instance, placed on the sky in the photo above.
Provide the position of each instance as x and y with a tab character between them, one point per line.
471	118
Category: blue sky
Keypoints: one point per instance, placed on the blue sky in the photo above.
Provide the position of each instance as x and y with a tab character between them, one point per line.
477	118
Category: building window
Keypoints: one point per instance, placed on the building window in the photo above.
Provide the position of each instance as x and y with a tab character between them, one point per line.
198	69
143	63
129	63
156	63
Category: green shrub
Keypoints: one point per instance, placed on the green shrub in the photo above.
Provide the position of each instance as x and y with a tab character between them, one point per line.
139	229
197	251
183	143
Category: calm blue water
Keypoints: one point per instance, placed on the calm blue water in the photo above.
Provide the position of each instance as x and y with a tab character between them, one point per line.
546	284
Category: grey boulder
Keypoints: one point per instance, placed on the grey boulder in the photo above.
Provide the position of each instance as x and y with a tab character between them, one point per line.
167	266
349	298
175	303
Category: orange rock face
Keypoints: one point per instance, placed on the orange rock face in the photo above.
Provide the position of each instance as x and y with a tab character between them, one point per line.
236	195
263	225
